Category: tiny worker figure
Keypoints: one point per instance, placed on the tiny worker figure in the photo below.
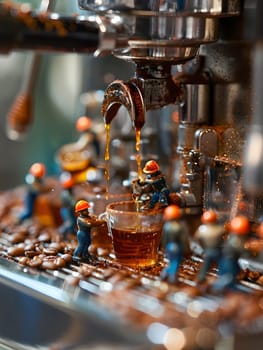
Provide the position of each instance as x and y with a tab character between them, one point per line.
67	210
152	189
233	249
174	241
34	180
210	237
88	138
85	222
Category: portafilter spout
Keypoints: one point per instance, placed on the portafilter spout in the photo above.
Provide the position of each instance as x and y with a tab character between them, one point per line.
126	94
152	87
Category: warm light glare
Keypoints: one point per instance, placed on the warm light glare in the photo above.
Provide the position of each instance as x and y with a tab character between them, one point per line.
194	309
174	339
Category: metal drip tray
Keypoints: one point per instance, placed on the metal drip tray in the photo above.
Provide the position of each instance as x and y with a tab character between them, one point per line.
39	311
111	307
103	305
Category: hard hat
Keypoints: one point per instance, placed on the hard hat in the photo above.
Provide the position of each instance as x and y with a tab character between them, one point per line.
81	205
172	212
209	216
66	179
151	167
67	183
240	225
37	169
83	123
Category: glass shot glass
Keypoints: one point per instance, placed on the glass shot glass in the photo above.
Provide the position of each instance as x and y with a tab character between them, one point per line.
135	235
101	242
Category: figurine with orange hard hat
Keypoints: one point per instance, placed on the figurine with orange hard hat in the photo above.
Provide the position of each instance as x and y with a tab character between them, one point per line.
233	249
35	186
210	237
87	136
67	211
152	189
85	222
174	241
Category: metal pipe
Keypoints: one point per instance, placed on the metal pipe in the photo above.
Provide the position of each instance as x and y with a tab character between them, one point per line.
23	29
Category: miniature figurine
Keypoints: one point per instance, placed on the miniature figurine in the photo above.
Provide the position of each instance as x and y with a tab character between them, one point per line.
34	180
80	156
67	206
175	242
210	237
233	248
85	222
87	135
152	189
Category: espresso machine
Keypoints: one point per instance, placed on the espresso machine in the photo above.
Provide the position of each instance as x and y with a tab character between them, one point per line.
195	56
203	58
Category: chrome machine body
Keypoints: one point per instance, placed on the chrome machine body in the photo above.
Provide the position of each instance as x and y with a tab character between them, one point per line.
204	57
195	55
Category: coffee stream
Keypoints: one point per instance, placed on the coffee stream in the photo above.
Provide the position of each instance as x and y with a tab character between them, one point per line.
107	158
138	154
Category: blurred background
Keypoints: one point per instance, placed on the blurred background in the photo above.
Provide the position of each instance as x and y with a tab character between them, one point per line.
68	86
60	97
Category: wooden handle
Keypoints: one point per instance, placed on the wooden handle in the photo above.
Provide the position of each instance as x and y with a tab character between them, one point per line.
19	117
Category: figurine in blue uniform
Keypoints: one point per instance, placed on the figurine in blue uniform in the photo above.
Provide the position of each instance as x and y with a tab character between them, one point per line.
174	241
233	249
210	237
85	222
152	189
88	138
35	186
67	211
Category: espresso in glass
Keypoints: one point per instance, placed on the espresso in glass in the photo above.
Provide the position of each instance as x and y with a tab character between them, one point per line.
135	235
